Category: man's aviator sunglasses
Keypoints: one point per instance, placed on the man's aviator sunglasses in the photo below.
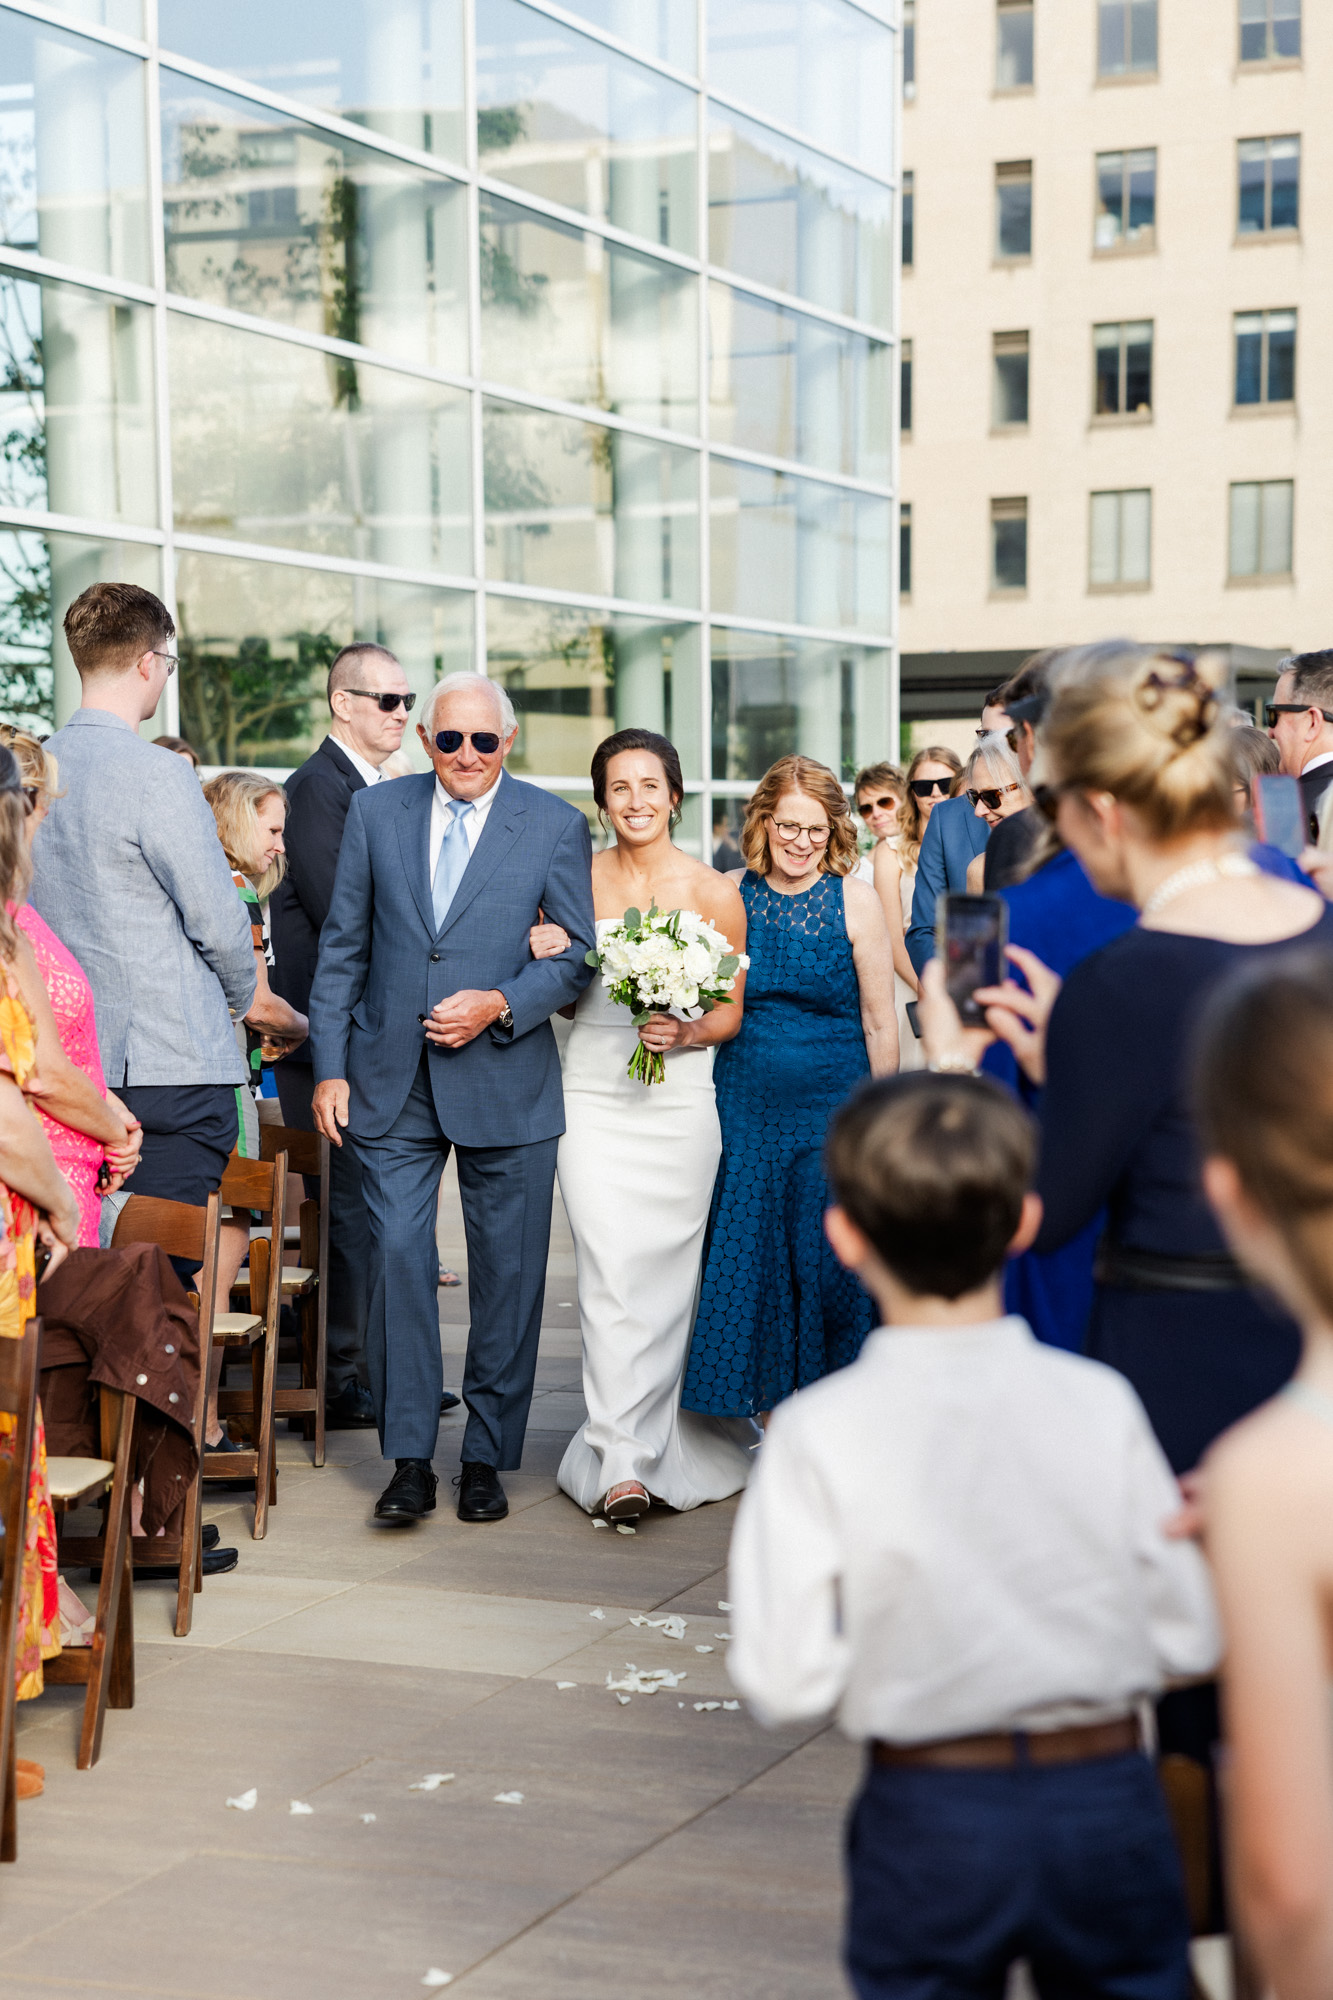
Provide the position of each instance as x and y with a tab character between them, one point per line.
485	741
386	703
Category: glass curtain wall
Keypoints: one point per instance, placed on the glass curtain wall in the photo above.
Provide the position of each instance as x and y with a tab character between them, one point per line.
557	344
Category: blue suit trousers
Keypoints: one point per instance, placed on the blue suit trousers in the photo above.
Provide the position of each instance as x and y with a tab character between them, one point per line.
506	1195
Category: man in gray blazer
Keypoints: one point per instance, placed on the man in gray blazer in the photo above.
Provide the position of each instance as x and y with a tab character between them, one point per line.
430	1024
130	874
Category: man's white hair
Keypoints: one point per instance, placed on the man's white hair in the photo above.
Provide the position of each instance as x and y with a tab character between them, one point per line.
469	684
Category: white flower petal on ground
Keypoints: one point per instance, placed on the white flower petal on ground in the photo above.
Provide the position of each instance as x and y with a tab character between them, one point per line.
296	1808
509	1798
703	1649
599	1523
367	1819
731	1704
702	1707
646	1682
624	1528
566	1684
437	1978
722	1604
247	1801
432	1782
623	1699
671	1627
598	1613
721	1635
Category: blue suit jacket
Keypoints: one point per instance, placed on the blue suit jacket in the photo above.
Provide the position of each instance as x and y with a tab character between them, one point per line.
954	835
382	962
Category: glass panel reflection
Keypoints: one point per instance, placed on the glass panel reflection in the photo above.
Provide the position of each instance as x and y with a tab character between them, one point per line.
124	16
775	695
565	313
276	218
794	387
395	66
662	28
789	218
574	676
570	506
277	443
256	639
77	432
73	158
822	67
569	120
798	551
40	577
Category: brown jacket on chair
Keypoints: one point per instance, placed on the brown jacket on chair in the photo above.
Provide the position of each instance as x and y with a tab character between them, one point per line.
122	1318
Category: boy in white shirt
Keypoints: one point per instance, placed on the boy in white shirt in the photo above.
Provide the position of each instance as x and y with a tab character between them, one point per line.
957	1542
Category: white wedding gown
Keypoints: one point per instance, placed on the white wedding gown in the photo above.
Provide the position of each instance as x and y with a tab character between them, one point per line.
637	1164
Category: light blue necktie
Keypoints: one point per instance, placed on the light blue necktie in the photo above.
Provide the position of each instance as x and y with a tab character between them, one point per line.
453	858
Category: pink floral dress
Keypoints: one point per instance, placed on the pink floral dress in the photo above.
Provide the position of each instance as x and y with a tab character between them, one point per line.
77	1156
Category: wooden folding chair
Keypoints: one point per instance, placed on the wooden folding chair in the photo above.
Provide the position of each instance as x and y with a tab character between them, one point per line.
192	1235
106	1667
305	1284
255	1184
18	1399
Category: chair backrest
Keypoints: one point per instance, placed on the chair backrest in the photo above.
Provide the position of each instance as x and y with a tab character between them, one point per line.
181	1230
18	1399
259	1185
307	1152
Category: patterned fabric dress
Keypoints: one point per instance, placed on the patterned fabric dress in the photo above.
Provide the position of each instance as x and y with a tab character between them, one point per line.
776	1309
78	1157
39	1603
247	1039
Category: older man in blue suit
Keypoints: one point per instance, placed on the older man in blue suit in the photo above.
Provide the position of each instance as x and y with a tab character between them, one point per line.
430	1025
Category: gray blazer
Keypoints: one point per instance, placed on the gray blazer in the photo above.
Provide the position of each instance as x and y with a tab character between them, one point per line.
130	874
382	963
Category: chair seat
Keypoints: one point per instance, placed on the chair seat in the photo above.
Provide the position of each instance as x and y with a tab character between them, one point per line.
297	1278
70	1479
236	1329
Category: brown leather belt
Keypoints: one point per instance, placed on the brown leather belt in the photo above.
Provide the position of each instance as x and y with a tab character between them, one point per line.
1005	1749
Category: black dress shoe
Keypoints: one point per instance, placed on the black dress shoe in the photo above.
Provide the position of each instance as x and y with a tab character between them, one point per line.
409	1494
350	1410
480	1494
216	1562
211	1535
449	1401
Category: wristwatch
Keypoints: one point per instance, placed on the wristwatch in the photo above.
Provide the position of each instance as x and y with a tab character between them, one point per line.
505	1019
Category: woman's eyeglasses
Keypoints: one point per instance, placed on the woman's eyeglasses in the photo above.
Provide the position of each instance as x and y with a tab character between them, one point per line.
484	741
921	788
867	806
385	703
789	831
990	795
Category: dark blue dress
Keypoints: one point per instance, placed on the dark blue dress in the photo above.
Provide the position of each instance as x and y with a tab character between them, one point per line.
776	1309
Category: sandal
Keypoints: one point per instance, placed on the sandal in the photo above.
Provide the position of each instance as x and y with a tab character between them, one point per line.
626	1501
448	1277
29	1778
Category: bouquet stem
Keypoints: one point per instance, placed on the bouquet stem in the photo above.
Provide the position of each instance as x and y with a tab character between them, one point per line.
649	1065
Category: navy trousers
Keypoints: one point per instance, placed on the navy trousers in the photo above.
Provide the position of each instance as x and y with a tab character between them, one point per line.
955	1874
349	1234
506	1193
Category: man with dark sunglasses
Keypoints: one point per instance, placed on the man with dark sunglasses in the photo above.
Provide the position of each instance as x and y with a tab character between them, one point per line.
1300	721
430	1020
953	836
369	700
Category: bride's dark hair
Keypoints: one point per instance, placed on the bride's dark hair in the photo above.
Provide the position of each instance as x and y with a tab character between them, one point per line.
657	746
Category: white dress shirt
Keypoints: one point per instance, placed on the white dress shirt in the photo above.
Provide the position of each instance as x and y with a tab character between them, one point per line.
1324	757
441	812
962	1532
370	772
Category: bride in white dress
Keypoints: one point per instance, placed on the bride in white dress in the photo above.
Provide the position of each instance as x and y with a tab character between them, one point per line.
637	1164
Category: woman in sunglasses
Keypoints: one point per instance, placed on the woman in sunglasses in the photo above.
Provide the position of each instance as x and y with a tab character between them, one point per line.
932	775
879	792
995	786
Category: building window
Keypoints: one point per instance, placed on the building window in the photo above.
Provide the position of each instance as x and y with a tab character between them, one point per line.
1009	544
1122	367
909	48
1270	30
1265	357
905	549
1009	385
1270	185
905	387
1126	200
1013	209
909	219
1013	44
1261	528
1120	541
1126	37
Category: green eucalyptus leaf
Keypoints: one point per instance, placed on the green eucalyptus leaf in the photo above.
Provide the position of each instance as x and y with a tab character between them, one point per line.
632	920
592	958
728	968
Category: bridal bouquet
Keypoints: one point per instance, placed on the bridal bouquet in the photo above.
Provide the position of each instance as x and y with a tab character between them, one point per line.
665	963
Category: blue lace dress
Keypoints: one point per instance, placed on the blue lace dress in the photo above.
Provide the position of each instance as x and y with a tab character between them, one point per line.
776	1310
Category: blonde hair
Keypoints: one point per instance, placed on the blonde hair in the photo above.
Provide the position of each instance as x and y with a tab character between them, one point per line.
1148	728
817	782
38	765
912	820
236	797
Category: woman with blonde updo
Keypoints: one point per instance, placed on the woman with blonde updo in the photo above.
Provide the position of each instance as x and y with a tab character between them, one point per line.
776	1310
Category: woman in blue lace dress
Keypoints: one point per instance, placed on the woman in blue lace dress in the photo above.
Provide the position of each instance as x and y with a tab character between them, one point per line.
776	1310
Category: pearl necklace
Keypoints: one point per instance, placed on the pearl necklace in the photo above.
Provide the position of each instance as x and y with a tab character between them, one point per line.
1193	876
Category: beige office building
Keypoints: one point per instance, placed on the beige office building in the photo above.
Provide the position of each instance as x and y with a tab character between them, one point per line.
1117	312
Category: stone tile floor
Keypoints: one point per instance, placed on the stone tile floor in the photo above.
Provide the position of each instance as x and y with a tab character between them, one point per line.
657	1852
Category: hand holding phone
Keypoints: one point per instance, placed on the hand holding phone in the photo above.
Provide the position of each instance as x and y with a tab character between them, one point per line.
970	936
1279	814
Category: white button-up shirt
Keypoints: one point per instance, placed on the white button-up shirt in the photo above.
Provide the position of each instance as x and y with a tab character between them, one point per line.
370	772
441	813
962	1532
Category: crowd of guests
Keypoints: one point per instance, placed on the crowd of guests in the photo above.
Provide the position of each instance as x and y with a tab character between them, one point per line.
1041	1311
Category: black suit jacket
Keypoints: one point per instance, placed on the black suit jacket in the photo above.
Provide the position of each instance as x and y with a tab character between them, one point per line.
1313	786
318	795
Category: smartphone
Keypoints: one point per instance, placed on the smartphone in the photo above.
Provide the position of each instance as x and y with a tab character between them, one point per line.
970	935
1279	813
913	1013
